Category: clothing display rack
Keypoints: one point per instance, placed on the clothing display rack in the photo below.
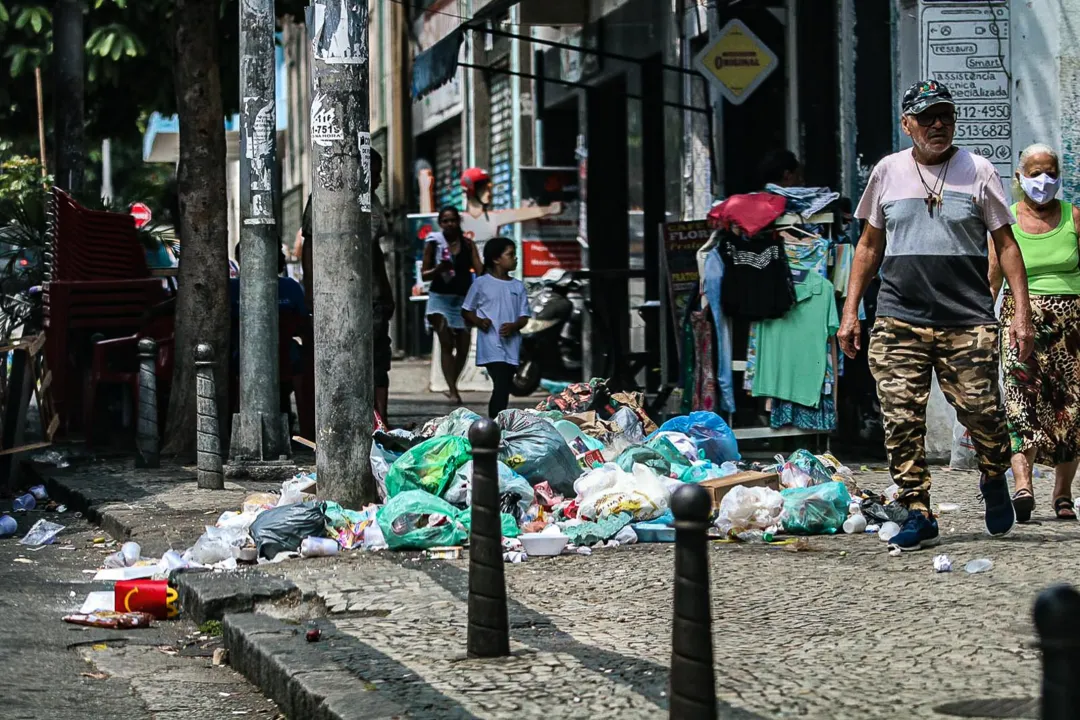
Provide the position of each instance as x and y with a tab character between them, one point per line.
739	367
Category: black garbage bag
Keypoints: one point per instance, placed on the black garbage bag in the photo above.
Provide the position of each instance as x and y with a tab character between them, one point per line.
533	448
282	529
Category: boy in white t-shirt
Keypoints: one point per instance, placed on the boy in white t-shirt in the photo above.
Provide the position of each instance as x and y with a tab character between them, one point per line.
498	305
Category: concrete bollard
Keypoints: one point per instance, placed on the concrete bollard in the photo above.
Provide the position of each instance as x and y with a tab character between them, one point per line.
693	687
146	429
1057	620
208	438
489	629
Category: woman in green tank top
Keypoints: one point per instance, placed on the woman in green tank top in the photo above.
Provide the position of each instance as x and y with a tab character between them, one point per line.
1042	394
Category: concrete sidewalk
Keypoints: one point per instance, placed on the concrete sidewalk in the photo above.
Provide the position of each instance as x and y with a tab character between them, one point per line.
840	631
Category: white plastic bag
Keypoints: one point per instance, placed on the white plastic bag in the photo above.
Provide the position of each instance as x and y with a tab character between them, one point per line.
745	508
963	450
380	468
608	490
43	533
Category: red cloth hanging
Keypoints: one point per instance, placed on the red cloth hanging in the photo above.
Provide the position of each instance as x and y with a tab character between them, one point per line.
750	213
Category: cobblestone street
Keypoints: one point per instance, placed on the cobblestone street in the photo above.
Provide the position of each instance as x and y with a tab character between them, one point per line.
841	630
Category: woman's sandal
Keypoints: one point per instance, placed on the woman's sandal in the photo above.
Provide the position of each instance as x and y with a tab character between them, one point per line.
1023	501
1064	508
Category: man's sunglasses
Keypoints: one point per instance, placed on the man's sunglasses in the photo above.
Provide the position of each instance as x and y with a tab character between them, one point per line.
926	119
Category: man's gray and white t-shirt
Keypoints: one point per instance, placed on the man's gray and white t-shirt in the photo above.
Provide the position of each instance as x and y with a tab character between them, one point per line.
935	267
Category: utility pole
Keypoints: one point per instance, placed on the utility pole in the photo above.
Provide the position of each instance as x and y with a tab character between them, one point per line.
68	94
341	253
260	433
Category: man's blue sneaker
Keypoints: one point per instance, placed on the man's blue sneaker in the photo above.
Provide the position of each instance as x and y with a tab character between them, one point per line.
917	532
1000	516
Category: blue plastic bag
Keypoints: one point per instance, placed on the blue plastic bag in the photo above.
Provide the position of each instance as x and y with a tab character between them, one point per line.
709	432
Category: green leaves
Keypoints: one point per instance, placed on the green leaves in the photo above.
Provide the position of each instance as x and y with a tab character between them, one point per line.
36	17
114	41
22	57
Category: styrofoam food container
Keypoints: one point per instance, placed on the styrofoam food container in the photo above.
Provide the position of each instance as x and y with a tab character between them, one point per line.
541	544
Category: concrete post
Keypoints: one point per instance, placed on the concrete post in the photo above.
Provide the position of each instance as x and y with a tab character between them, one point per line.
146	429
1057	620
341	250
693	687
489	629
258	431
208	440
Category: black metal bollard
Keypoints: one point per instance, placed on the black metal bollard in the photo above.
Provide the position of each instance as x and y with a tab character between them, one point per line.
1057	620
693	687
489	629
208	436
146	428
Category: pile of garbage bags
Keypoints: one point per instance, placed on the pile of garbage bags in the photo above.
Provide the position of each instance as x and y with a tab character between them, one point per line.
586	464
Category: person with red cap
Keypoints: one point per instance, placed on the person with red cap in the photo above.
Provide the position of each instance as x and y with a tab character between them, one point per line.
479	223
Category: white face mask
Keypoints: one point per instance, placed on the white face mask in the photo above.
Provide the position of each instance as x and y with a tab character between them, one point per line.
1042	188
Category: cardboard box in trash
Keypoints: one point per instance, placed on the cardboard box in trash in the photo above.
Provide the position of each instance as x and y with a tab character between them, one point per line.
720	487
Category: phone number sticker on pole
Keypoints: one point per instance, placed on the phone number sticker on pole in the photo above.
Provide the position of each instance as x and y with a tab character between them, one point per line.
966	46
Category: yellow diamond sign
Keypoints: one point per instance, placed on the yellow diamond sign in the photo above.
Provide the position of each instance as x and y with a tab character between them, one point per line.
736	62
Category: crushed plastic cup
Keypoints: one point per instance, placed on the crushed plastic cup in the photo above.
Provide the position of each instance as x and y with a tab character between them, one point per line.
39	493
172	560
24	503
8	526
888	531
942	564
855	524
892	492
979	566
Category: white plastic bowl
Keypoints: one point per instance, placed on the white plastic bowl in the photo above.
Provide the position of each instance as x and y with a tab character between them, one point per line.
543	544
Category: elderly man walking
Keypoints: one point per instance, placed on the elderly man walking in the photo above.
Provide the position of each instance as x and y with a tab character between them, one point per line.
928	211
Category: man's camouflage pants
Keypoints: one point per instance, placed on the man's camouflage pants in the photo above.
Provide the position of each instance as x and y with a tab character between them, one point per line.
902	357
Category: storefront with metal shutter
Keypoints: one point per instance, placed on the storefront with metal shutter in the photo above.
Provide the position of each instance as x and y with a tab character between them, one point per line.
501	148
448	164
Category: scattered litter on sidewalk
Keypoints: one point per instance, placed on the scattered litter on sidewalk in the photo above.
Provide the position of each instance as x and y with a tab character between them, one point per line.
942	564
8	526
979	566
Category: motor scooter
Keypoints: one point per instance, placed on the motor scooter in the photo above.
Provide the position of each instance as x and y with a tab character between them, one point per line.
551	341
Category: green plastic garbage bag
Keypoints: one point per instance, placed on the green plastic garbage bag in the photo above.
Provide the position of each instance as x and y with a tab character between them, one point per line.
509	525
641	455
668	451
428	466
816	510
417	520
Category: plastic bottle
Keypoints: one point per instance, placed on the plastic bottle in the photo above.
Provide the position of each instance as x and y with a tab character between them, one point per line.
8	526
319	547
888	531
855	524
24	502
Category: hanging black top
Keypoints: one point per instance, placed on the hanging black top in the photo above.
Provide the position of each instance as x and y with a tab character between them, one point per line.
757	279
